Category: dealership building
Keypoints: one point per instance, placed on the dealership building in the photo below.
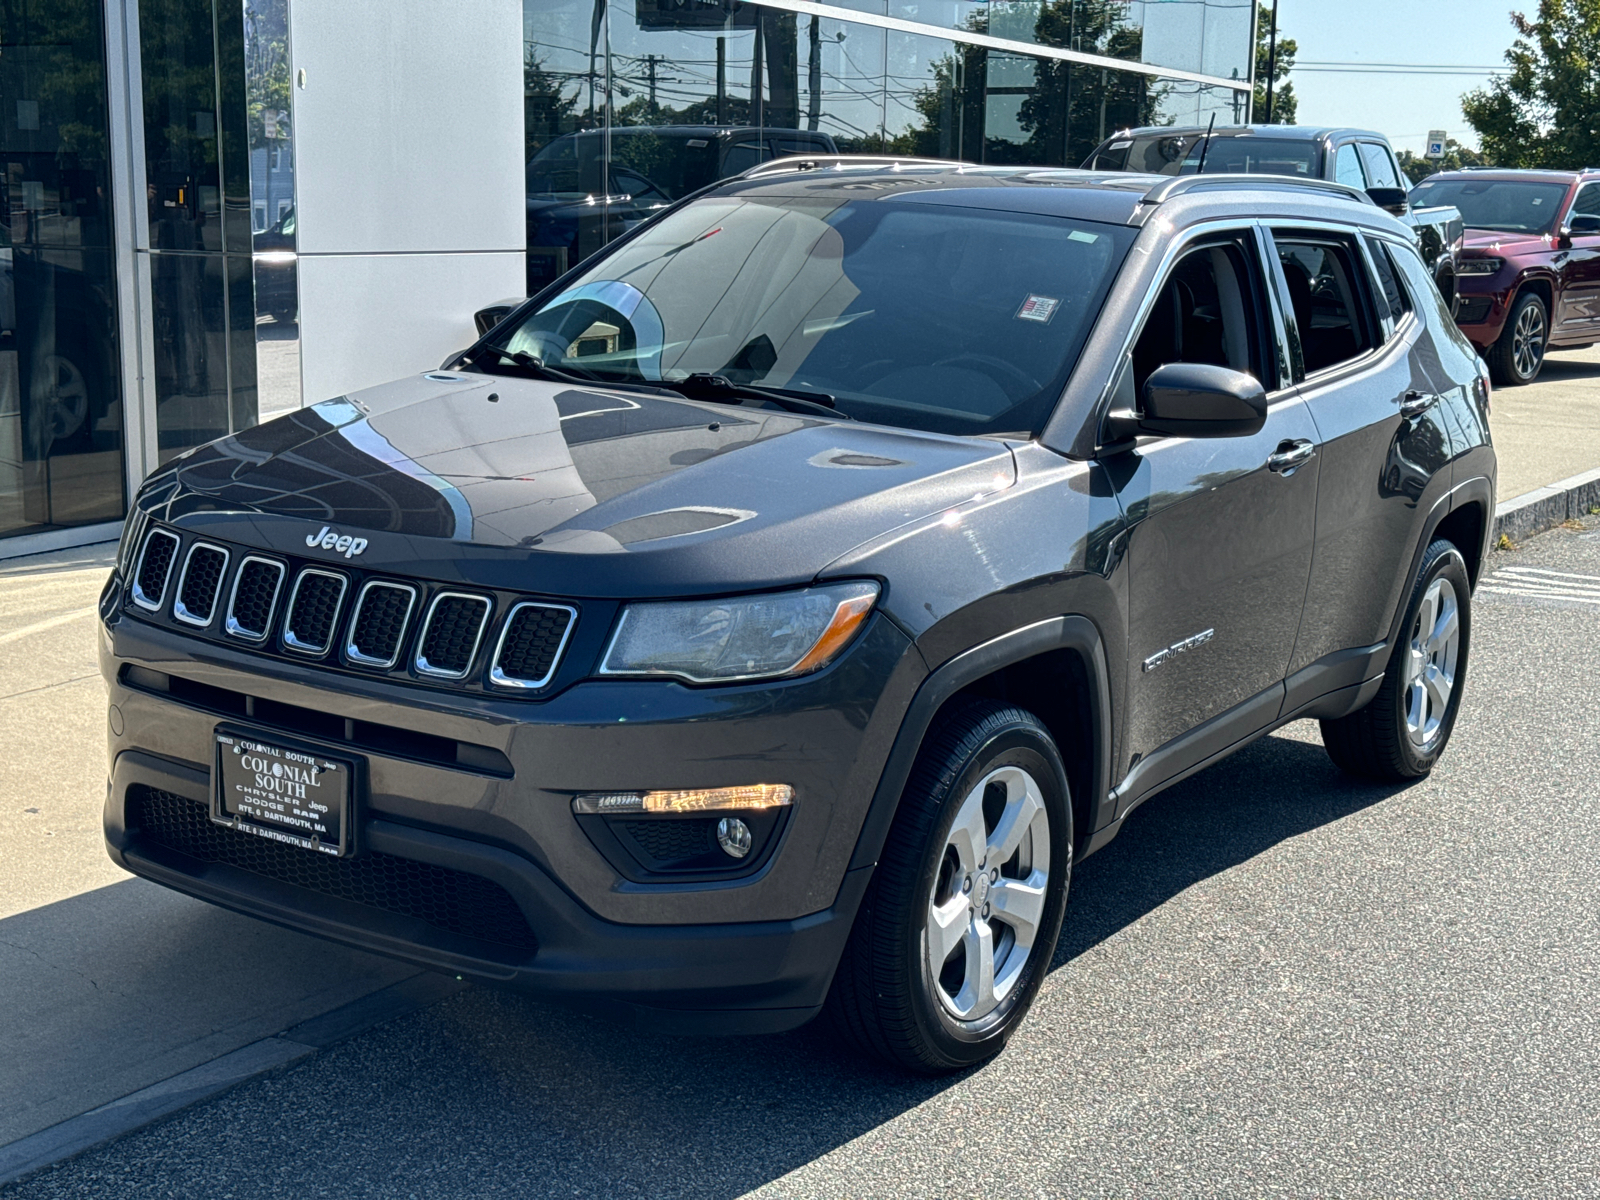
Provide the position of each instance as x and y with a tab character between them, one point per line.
215	211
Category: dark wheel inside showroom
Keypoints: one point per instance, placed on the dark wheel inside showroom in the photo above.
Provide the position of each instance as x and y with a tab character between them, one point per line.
1402	732
961	921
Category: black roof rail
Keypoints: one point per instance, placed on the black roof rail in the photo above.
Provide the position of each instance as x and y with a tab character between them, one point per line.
819	162
1169	188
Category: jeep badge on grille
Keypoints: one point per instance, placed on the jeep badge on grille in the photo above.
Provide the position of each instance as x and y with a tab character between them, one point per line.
330	538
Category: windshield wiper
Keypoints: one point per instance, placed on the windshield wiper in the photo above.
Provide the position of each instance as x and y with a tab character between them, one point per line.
532	364
719	388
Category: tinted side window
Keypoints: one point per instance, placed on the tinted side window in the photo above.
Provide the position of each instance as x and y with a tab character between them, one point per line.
1390	286
1347	167
1206	312
1587	203
1380	167
1324	290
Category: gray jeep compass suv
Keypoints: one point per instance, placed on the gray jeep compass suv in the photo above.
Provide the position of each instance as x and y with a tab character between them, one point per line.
766	617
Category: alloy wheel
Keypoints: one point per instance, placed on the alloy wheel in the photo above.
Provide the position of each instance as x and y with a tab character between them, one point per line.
1527	341
1431	667
989	894
63	393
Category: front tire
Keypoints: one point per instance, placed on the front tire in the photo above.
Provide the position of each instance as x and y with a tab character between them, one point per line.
961	920
1403	730
1518	353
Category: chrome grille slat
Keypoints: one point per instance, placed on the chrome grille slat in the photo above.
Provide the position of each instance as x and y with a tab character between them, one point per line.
531	644
254	621
451	634
200	583
153	572
313	610
378	623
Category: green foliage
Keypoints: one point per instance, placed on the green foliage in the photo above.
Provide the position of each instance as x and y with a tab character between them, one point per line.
1285	106
267	89
1456	156
1545	111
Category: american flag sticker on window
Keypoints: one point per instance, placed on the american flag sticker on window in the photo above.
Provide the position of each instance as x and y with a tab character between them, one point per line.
1038	308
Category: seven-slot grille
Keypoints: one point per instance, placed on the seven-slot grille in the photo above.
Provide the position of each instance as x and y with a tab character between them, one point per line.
200	584
379	624
255	594
155	565
451	633
531	644
306	608
313	610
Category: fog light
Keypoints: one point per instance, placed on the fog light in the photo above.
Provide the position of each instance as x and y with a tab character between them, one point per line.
750	796
733	835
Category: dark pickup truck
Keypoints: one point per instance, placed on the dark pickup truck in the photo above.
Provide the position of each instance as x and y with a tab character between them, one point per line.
1359	158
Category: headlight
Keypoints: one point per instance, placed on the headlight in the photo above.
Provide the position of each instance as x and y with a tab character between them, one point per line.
1479	266
746	637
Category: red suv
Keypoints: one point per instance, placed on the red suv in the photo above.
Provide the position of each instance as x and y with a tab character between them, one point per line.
1529	273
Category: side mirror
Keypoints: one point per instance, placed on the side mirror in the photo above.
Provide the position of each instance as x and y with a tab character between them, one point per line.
1200	400
1391	198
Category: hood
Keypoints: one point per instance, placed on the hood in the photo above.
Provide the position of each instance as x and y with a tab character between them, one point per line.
571	491
1491	241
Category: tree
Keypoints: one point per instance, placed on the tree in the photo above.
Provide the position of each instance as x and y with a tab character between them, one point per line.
1455	157
1545	111
1285	107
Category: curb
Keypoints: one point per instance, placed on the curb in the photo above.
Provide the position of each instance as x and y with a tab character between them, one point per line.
73	1136
1546	507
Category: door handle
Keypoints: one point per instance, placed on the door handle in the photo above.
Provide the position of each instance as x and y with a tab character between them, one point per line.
1414	404
1290	455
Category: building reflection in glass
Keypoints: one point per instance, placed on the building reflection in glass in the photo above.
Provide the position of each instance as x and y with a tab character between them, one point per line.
631	104
272	214
61	459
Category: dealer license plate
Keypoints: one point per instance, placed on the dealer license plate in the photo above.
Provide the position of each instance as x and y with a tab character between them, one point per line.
286	793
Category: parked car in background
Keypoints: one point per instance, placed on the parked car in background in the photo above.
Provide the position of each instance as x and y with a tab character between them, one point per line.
573	211
1530	269
1358	158
770	617
276	270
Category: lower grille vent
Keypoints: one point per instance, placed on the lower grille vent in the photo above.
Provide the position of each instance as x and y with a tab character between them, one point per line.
531	645
200	584
379	624
313	610
454	901
155	565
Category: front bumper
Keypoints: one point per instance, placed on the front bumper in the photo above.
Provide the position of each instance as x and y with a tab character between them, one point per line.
734	955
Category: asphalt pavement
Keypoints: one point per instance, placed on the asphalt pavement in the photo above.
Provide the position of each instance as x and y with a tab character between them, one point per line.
1276	982
1550	429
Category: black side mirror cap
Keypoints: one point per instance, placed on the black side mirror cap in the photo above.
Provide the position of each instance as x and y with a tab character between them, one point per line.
1194	400
1391	198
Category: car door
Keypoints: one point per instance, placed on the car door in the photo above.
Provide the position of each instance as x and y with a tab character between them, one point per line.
1363	361
1578	314
1219	545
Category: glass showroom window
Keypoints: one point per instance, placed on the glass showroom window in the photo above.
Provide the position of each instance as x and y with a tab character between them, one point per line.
60	400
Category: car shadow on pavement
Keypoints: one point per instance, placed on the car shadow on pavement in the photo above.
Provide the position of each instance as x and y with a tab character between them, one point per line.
1273	790
1568	368
490	1088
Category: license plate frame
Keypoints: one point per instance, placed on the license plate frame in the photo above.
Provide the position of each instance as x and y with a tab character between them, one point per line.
287	804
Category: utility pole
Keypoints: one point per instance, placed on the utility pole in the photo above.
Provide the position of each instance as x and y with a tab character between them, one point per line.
650	63
814	76
722	81
1272	58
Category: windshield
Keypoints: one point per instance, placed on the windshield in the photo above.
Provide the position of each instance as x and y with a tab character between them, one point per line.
945	318
1501	205
1179	154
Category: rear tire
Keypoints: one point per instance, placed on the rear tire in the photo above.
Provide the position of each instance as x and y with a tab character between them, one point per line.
1402	731
1518	353
988	786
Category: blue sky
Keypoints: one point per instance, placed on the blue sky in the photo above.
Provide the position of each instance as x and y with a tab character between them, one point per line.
1406	104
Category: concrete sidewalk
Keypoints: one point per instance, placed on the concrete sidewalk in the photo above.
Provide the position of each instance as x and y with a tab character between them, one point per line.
110	984
1549	430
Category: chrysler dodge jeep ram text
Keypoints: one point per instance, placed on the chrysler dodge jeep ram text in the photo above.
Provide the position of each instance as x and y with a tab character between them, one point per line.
766	617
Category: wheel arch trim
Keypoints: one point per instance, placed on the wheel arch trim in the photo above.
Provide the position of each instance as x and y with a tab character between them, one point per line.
1477	490
1074	633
